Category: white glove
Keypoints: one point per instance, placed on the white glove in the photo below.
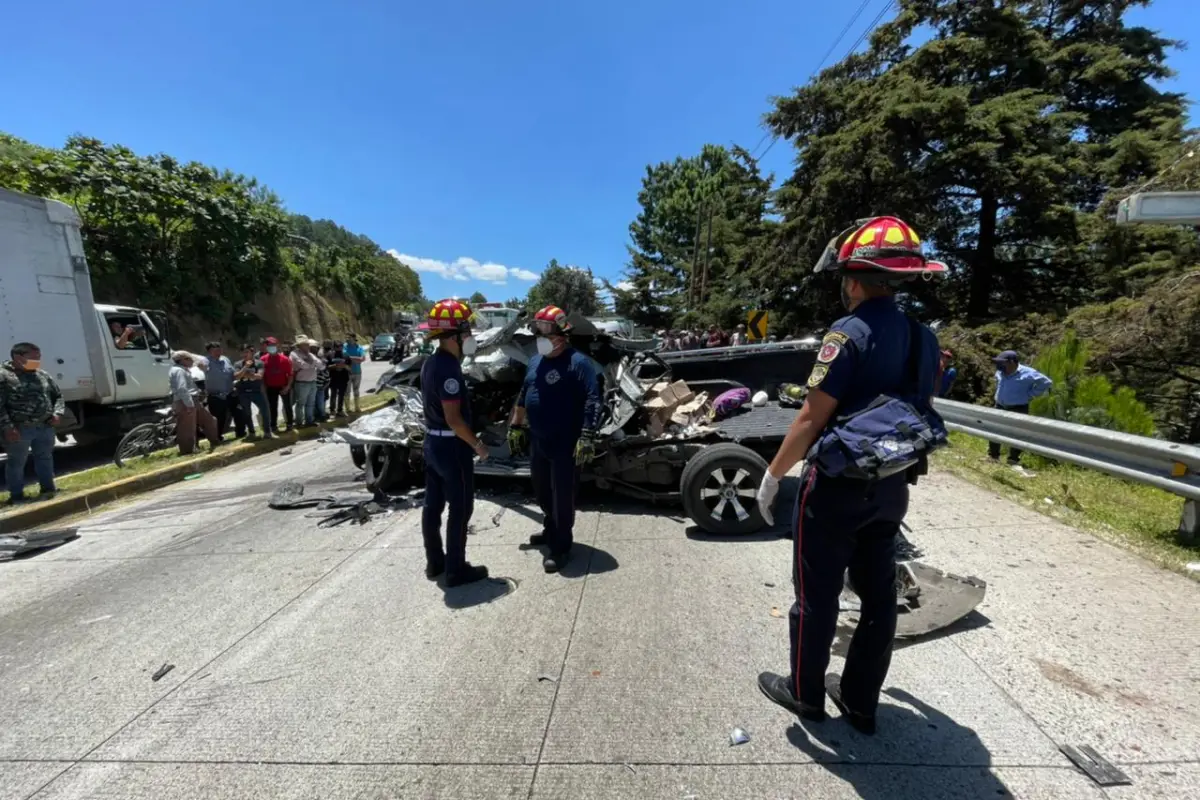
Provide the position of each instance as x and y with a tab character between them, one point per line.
766	496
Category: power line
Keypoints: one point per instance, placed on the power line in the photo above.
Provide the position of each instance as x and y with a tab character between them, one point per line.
842	35
849	24
870	29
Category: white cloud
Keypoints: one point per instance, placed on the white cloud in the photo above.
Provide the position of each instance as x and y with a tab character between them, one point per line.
624	286
464	269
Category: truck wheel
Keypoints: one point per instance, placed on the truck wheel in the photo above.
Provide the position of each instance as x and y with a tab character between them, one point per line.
718	488
358	454
387	468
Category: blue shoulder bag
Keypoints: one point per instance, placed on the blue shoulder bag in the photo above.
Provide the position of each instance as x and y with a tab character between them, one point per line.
894	434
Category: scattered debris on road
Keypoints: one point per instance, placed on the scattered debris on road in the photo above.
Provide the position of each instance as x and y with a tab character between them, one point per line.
547	679
775	612
738	736
1095	766
16	544
162	671
193	476
287	451
1193	566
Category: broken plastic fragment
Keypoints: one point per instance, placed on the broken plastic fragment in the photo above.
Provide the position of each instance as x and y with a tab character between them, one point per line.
775	612
738	736
193	476
1193	566
548	678
162	671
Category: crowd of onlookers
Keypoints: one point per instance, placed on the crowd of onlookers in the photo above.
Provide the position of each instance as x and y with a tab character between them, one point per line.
310	381
715	336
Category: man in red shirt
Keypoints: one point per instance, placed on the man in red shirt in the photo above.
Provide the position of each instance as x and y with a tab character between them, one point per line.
277	380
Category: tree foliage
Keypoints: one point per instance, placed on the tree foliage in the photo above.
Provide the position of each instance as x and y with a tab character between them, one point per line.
696	242
570	288
478	298
194	239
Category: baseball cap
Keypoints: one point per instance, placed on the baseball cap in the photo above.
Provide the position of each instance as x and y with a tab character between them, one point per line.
271	340
1007	355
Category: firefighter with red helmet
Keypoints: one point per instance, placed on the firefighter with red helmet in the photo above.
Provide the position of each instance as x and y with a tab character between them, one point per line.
555	420
450	443
863	433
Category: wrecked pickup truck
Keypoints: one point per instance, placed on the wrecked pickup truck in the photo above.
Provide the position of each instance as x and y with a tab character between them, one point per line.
659	442
658	439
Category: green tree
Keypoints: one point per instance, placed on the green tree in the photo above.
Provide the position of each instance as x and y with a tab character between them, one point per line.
478	298
1084	398
991	137
700	232
570	288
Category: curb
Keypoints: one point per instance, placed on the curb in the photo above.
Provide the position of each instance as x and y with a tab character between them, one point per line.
37	514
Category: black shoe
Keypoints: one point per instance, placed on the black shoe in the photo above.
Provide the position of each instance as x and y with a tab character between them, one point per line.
16	501
434	569
539	540
778	690
468	574
555	561
863	723
44	496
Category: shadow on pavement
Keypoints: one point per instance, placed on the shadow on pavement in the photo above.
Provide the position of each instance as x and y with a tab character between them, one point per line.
972	621
478	593
926	736
588	560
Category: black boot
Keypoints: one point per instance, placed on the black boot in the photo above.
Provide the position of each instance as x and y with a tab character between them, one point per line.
778	690
863	723
555	561
434	568
468	574
539	540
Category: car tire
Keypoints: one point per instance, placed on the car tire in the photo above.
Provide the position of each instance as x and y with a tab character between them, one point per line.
718	486
387	468
358	454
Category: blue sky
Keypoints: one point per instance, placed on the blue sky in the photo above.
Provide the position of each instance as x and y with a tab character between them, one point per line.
480	139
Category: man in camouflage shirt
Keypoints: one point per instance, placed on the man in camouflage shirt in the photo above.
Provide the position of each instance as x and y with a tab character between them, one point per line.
30	407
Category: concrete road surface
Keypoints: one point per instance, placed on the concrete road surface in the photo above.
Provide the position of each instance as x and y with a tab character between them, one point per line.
319	663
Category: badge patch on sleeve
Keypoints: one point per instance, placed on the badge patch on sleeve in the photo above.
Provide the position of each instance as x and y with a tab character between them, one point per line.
818	374
831	346
451	386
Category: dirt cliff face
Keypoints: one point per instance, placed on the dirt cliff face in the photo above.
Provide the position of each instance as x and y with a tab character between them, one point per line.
284	313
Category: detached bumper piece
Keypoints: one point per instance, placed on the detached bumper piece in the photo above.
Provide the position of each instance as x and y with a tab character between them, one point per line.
18	544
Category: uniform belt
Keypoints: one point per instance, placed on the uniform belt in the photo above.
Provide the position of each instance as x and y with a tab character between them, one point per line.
440	432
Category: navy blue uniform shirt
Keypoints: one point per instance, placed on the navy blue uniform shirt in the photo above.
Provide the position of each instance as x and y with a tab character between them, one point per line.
561	397
865	354
442	382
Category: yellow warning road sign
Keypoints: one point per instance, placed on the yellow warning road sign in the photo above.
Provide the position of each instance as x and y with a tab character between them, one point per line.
756	323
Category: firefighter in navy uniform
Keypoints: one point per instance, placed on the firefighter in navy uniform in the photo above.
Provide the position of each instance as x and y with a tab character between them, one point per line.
449	445
864	431
555	419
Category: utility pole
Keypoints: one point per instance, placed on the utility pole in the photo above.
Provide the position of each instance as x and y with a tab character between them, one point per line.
707	254
695	254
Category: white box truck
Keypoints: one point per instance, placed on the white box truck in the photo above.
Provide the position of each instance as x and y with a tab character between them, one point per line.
46	298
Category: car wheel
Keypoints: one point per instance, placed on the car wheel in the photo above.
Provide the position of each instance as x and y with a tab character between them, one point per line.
718	487
358	454
387	468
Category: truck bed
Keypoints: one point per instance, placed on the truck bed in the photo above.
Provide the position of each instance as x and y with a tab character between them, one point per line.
767	423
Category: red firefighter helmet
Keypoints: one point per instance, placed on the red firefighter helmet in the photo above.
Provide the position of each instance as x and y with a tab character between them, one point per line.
883	247
555	317
448	316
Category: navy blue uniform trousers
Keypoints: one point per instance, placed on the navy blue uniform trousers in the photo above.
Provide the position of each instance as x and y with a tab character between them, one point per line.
449	480
556	483
843	524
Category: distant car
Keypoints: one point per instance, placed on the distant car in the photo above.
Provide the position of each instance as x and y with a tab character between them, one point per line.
382	347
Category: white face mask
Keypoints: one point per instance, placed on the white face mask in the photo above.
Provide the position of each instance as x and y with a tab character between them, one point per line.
544	346
468	346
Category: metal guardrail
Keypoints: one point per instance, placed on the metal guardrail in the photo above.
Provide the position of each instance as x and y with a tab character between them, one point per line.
1165	465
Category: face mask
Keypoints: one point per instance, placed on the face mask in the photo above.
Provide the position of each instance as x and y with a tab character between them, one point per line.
468	346
33	364
272	349
544	346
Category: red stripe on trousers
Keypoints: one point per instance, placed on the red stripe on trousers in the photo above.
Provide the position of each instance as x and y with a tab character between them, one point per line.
799	561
